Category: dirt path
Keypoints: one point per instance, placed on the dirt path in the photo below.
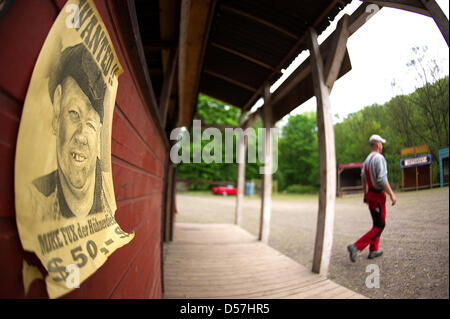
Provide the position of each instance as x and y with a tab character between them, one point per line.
415	263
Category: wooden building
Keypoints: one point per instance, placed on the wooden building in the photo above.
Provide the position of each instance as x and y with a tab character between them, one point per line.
417	170
349	178
171	50
443	166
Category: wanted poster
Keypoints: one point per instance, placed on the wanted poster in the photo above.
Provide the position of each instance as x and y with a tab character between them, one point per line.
64	192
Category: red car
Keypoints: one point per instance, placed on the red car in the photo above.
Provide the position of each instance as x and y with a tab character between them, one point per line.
224	190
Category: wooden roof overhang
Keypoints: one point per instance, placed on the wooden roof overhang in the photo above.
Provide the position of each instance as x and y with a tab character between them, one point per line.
227	49
251	42
159	31
232	49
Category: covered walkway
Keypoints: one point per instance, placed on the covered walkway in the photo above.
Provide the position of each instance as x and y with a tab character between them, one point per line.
235	51
224	261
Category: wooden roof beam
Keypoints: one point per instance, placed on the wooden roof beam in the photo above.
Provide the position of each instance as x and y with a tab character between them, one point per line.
354	22
288	56
325	13
195	25
408	5
426	7
220	127
260	21
159	45
438	15
155	72
230	80
242	55
168	85
125	12
337	52
169	19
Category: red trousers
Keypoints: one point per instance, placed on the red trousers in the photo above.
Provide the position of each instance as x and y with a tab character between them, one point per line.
377	207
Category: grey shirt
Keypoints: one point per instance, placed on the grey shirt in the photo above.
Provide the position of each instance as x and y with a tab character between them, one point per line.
378	170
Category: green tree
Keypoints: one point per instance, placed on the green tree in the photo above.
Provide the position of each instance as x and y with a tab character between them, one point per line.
431	121
213	112
298	152
403	121
421	117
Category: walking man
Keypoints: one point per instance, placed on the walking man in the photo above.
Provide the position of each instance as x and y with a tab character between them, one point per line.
376	185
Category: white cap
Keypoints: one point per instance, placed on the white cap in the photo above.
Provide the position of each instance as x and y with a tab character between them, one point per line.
376	138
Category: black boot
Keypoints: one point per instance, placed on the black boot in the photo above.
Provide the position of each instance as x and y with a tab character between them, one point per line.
375	254
353	252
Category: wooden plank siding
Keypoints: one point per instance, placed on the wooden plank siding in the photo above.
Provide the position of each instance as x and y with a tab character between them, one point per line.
138	160
224	261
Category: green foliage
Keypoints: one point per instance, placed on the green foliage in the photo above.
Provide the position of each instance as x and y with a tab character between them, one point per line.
298	152
352	134
212	111
301	189
406	120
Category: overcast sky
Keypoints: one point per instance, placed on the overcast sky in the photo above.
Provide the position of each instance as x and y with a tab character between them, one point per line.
379	51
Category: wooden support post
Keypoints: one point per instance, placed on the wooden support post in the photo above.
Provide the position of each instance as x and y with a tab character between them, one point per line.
173	210
242	147
438	15
266	196
169	202
241	174
327	161
338	48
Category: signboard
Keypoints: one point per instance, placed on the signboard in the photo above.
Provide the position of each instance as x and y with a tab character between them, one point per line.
415	150
415	161
64	192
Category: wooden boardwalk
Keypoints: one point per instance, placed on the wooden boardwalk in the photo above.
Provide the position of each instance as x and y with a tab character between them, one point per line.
224	261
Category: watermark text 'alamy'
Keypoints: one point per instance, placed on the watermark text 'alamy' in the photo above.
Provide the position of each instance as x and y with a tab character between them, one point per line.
212	152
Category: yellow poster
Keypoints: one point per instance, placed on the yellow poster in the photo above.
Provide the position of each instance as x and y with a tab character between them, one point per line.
64	192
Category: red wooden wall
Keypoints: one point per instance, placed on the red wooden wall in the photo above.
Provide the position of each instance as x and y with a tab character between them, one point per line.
138	163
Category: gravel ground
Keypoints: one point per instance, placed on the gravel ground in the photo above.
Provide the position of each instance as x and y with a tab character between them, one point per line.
415	241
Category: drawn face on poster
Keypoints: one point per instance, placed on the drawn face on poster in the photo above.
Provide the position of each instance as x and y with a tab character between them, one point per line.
64	192
76	89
